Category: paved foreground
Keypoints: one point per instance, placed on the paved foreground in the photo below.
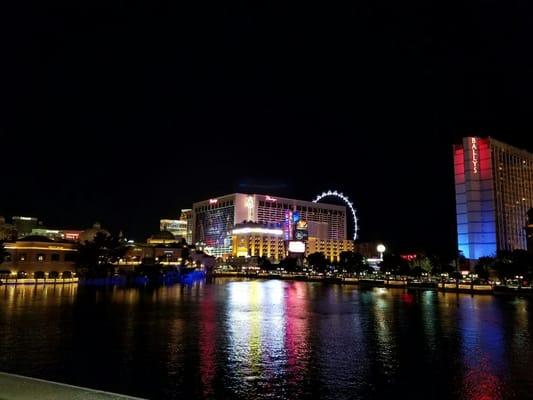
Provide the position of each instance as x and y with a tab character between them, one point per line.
16	387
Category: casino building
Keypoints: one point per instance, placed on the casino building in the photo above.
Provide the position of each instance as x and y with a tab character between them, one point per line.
39	257
493	192
214	222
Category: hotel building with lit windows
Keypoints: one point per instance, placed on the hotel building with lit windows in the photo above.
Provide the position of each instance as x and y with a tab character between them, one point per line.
330	248
493	191
214	220
253	239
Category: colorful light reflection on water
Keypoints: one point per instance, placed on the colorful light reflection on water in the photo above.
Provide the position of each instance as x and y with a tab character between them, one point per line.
270	339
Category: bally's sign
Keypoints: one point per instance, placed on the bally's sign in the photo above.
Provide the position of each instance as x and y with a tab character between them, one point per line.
475	156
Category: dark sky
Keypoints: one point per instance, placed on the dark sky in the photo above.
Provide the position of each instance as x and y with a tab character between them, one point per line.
127	111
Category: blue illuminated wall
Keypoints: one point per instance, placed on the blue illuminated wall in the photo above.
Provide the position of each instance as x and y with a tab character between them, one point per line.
474	196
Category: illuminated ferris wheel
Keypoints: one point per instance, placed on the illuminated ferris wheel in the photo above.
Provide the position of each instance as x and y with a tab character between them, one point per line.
348	203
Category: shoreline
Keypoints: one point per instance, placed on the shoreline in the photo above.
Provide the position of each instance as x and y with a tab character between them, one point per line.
444	287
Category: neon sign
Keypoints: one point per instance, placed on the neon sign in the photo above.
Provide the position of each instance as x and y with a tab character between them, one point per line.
268	198
475	156
250	206
213	201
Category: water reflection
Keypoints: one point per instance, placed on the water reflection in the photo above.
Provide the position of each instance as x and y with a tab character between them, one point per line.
482	349
269	339
256	329
207	334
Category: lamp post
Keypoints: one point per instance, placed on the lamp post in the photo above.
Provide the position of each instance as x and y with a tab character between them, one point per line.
381	249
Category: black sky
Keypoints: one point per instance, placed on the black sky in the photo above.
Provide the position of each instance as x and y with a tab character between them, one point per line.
127	111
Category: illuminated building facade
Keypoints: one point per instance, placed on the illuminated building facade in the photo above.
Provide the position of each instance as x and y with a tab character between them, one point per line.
163	237
177	227
57	234
213	220
181	228
330	248
186	215
36	256
494	191
257	240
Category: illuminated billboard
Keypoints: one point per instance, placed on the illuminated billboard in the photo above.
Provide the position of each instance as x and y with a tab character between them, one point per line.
301	230
296	246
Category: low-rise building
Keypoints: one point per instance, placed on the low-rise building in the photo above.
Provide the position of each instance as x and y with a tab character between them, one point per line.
39	257
163	237
88	235
57	234
152	253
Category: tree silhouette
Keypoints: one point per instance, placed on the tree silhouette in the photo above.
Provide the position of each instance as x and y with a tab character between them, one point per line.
395	265
483	265
352	262
509	264
318	261
96	257
264	263
3	252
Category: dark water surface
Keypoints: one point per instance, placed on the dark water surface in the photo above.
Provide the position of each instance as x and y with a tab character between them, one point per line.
270	339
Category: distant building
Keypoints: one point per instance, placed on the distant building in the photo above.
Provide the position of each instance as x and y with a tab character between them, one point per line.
24	225
176	227
57	234
213	220
494	190
181	228
186	215
152	253
88	235
165	254
39	257
163	237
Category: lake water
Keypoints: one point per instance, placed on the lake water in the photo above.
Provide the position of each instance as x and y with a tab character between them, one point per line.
270	339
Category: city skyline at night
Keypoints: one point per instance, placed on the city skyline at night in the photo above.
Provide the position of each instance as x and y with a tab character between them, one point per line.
100	116
266	200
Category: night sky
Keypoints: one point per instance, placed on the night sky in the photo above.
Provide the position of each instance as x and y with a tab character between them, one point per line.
127	111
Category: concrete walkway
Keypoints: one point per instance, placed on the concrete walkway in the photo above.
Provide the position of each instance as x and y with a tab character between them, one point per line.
16	387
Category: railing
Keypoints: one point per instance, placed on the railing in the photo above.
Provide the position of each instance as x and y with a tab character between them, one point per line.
37	281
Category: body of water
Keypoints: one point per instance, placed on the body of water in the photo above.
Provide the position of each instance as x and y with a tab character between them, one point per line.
272	339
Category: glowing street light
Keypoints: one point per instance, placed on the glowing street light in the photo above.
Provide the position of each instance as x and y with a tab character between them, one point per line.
381	249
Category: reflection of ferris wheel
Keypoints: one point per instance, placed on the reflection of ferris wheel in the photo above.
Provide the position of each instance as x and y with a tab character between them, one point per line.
346	200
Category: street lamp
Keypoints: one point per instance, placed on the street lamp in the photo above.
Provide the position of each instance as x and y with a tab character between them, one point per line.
381	249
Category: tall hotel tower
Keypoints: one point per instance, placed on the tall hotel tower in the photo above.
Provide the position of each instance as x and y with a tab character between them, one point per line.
493	193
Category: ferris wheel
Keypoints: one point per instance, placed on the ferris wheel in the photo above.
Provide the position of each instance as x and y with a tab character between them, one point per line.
348	203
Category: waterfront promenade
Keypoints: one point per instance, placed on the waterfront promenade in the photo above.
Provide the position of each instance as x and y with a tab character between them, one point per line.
389	282
16	387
